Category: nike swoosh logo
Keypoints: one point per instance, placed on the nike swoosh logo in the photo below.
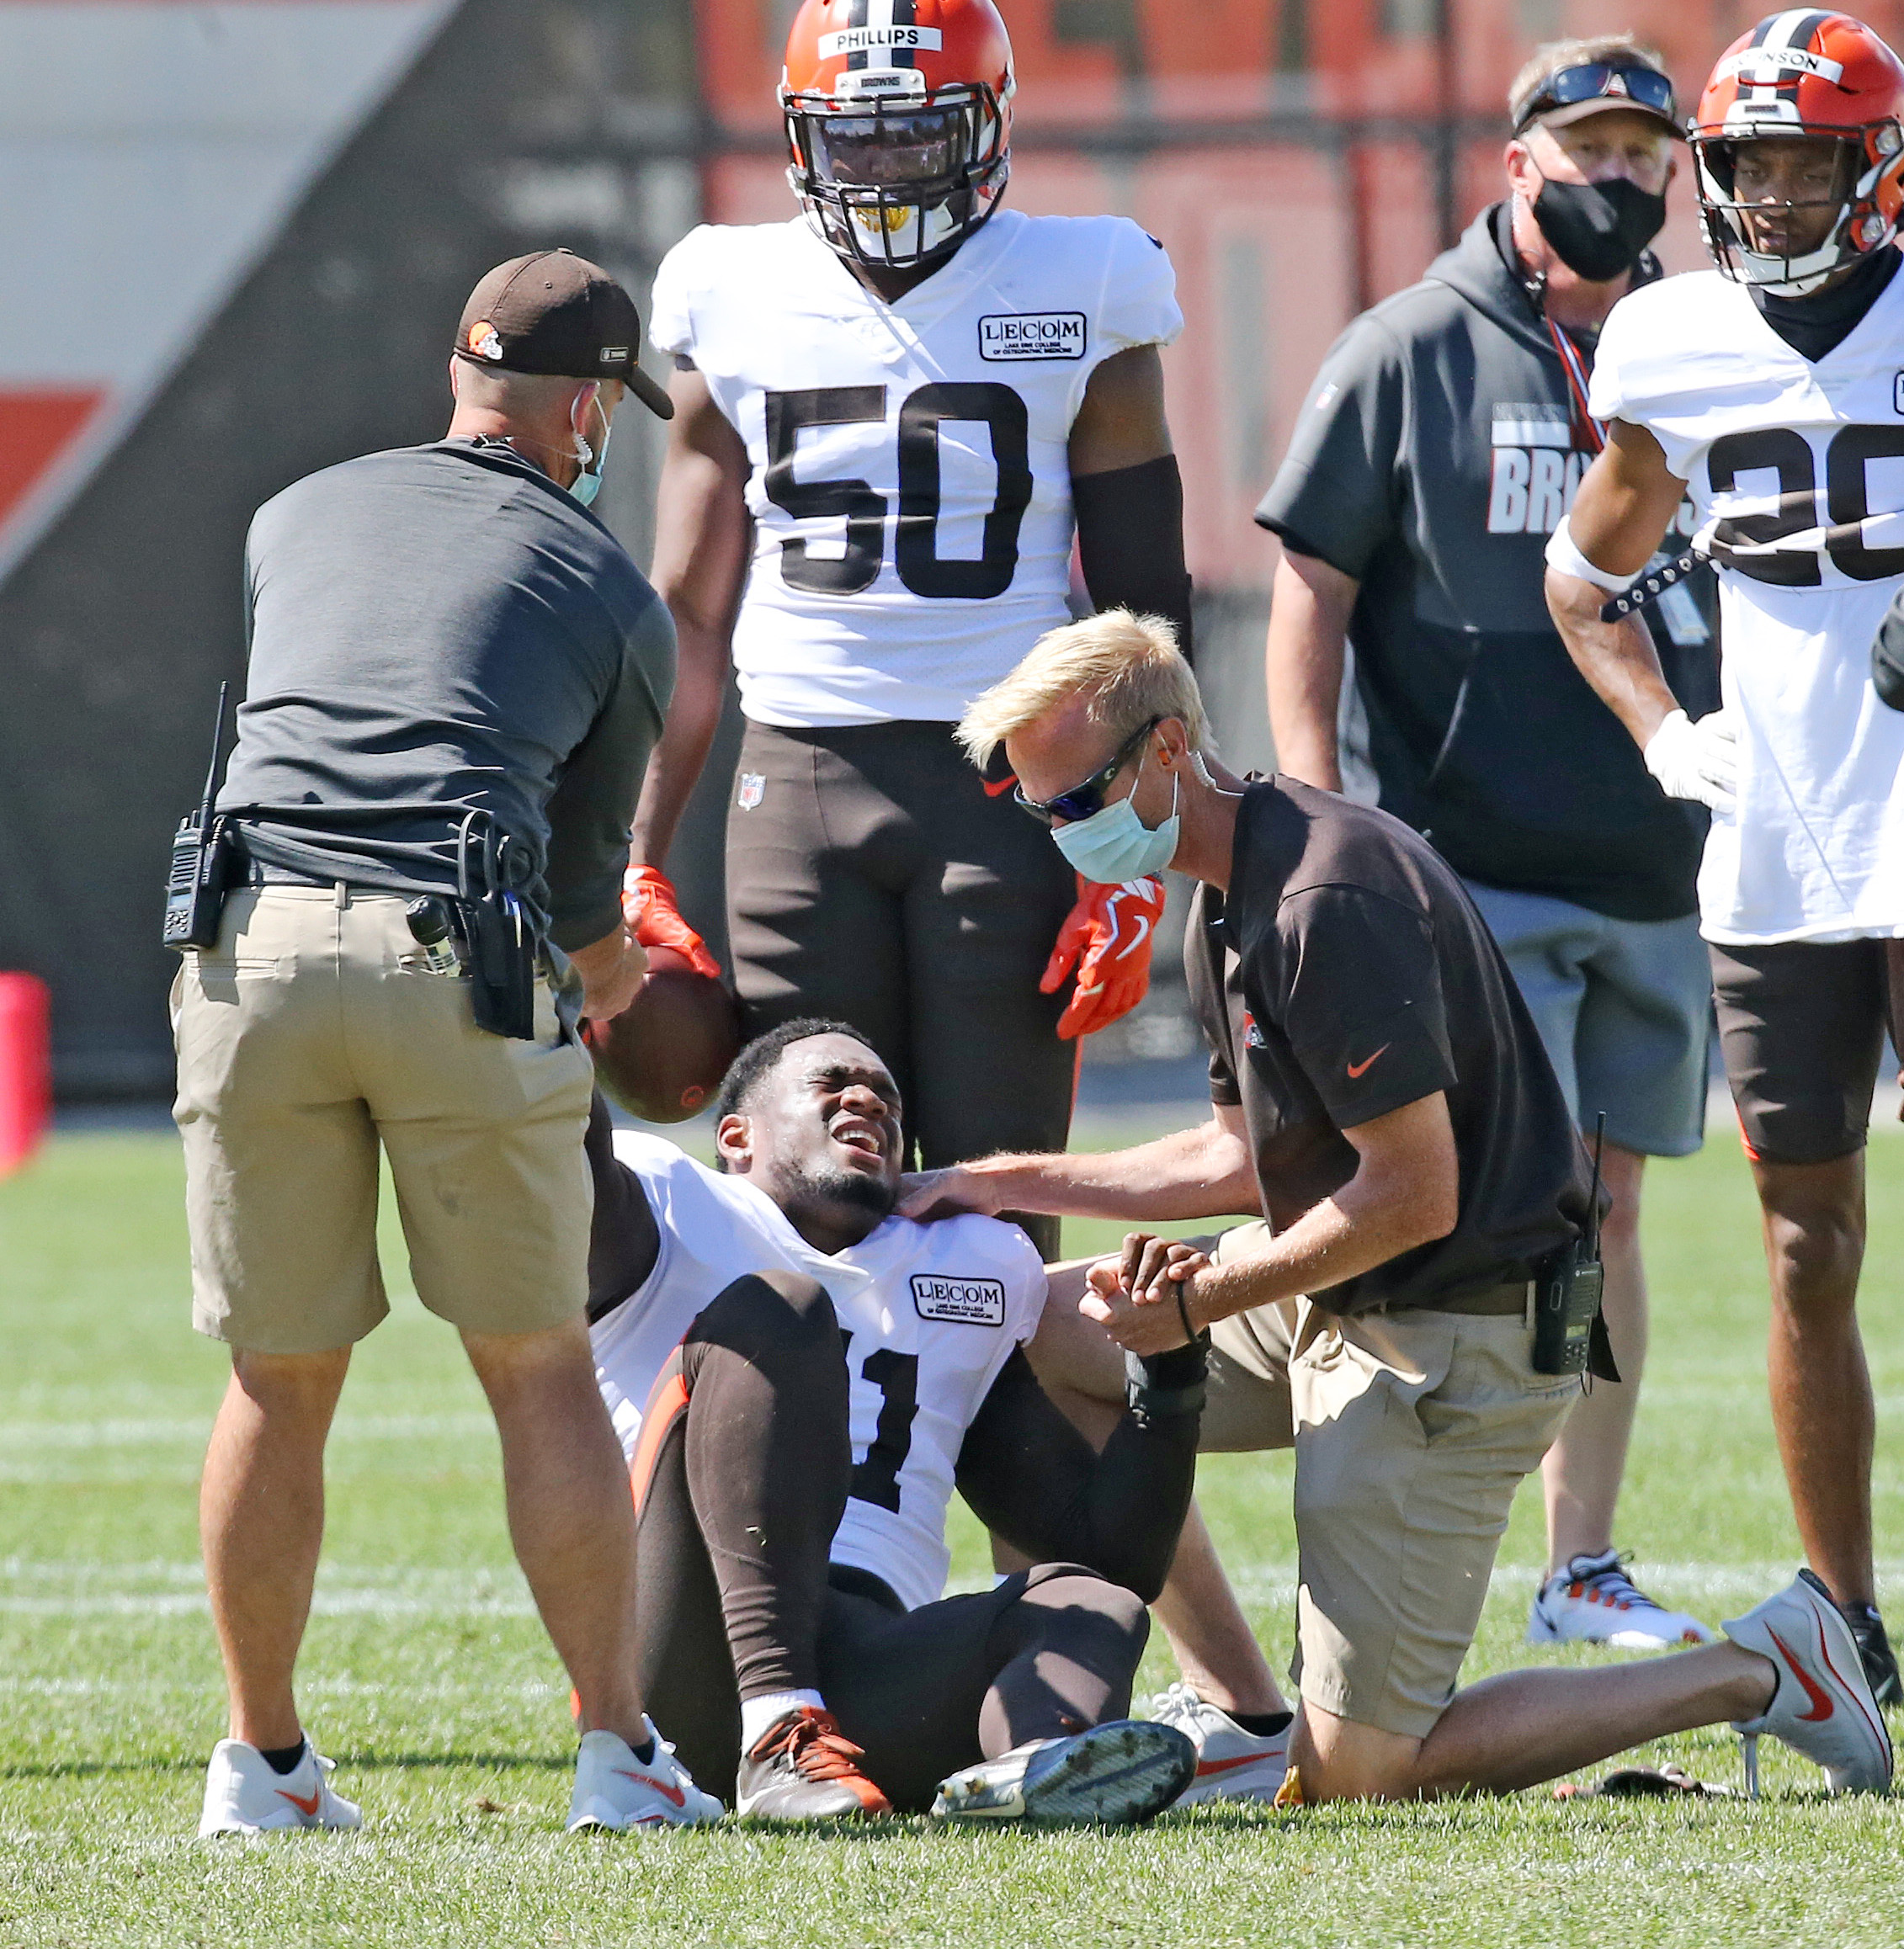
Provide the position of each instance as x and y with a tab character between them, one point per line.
1361	1068
1822	1707
307	1807
675	1795
1205	1768
1143	935
1003	785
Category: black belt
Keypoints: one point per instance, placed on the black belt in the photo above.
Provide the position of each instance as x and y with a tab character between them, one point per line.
1491	1300
1484	1302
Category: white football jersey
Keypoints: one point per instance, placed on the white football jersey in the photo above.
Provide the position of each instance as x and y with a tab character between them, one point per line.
910	490
1796	473
930	1312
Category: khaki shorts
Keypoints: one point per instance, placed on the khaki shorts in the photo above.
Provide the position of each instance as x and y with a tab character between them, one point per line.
312	1031
1412	1431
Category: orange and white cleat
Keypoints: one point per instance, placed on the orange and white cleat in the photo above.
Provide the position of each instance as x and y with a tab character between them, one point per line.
1593	1601
803	1768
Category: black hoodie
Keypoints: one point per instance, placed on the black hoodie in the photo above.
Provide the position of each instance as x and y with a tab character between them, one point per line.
1434	455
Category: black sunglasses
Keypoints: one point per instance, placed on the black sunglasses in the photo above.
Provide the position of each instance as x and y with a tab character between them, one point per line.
1601	81
1081	801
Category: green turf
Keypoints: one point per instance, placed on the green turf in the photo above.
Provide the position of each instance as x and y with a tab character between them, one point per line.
425	1673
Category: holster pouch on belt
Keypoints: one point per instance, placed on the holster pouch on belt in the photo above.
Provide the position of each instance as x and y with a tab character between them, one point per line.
1570	1336
501	932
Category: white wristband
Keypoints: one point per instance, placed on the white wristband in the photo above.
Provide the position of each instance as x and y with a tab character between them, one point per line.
1563	554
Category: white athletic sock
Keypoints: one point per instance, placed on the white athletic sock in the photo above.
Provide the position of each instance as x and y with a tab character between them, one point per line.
758	1714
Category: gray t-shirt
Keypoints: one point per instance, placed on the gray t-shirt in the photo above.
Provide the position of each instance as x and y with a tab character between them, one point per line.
436	628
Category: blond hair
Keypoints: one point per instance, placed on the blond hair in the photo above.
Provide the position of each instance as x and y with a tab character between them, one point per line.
1128	668
1547	60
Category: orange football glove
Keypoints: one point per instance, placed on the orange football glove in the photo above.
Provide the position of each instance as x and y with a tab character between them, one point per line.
1107	939
651	913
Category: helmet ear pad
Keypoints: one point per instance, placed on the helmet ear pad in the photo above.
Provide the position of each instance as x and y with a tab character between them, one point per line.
1884	151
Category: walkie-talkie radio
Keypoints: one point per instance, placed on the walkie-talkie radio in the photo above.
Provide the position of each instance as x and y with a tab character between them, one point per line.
1566	1300
201	860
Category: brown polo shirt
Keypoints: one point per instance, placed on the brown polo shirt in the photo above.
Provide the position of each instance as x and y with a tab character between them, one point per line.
1347	974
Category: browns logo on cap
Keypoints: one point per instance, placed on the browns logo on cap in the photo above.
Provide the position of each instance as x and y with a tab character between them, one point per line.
553	312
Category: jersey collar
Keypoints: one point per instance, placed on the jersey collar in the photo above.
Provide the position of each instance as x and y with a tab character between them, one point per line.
926	303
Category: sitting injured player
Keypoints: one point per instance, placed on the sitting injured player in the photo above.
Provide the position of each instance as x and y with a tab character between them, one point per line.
801	1379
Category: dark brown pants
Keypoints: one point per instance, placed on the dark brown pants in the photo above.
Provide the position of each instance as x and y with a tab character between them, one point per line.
875	878
741	1476
1802	1025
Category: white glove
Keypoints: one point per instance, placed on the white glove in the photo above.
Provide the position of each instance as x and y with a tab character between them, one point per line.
1697	761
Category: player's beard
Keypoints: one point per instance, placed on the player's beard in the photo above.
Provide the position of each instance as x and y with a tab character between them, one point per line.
833	1186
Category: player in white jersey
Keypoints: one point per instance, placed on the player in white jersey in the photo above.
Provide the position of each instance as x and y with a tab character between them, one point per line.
892	415
1772	390
792	1502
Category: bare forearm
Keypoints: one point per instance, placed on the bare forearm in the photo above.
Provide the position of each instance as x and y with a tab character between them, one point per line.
1617	659
611	970
1303	663
675	767
1201	1173
1358	1228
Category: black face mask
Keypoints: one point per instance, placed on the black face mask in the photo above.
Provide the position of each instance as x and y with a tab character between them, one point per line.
1598	230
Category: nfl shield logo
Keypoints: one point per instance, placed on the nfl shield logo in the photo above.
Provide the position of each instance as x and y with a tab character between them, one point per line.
754	789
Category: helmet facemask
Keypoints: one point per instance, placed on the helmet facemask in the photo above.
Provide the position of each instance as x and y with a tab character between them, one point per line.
1863	200
897	181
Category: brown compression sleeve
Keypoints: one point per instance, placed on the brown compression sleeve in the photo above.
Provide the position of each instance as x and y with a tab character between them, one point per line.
1031	1479
1130	541
623	1240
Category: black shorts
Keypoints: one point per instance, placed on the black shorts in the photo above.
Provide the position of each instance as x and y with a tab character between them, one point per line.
1802	1025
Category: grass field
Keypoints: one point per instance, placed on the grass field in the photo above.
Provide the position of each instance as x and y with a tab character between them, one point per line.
426	1675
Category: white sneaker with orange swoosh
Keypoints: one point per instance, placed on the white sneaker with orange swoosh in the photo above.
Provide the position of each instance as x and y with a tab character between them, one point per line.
1822	1706
243	1794
1231	1764
614	1789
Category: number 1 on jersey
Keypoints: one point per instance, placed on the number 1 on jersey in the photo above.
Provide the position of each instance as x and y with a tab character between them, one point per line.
916	555
896	1376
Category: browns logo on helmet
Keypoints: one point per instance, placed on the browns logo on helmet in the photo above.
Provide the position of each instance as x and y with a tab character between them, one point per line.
899	116
1802	73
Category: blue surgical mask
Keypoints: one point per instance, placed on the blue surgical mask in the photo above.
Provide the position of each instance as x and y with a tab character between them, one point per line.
587	485
1114	845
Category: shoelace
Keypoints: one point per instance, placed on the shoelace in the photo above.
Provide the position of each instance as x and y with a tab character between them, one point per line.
812	1744
1178	1702
1610	1586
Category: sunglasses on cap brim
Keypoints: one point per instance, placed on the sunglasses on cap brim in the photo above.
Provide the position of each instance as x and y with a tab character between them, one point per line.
1083	801
1596	81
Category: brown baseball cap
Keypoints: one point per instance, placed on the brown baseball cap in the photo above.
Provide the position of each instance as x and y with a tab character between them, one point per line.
552	312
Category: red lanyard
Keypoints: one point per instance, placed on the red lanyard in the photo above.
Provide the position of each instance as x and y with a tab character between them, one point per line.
1585	424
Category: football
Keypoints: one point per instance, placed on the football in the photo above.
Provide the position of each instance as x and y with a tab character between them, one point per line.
663	1057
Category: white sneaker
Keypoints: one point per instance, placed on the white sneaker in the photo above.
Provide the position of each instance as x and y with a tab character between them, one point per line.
1231	1764
615	1789
1822	1706
1122	1771
243	1794
1593	1601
